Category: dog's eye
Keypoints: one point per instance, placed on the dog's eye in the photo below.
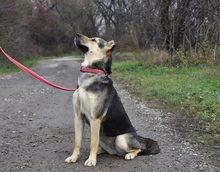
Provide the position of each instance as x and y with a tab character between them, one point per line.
93	40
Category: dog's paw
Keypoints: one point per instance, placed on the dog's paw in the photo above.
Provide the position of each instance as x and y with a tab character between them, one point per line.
90	162
130	156
71	159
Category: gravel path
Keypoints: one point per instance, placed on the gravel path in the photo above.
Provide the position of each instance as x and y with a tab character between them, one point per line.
36	127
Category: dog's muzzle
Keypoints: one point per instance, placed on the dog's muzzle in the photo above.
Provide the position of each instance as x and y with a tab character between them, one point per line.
77	40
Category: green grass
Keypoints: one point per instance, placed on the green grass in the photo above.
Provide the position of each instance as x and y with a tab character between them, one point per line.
9	67
194	90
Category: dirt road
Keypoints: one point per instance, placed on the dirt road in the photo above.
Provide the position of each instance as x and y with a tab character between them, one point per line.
36	128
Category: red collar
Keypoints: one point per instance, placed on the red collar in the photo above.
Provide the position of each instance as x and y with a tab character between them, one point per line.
91	70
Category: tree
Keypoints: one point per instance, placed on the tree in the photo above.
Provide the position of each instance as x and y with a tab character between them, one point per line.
47	27
13	19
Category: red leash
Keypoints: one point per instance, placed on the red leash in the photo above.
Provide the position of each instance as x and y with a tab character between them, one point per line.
83	69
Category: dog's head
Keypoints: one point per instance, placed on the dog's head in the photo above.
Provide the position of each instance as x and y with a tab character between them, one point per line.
97	52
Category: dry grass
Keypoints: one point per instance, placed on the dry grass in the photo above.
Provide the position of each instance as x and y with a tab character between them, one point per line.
153	57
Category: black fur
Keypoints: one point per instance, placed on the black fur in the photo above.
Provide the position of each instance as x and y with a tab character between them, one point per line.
116	121
150	147
83	48
101	43
105	66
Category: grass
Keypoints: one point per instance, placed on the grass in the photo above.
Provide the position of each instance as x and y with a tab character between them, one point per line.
8	67
190	91
194	90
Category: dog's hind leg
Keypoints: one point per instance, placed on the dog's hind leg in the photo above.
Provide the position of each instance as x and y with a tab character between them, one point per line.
128	144
95	130
79	126
131	155
100	150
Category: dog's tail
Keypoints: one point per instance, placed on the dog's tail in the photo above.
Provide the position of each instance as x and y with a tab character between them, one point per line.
150	147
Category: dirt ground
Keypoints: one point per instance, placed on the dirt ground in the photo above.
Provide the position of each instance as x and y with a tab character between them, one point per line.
36	128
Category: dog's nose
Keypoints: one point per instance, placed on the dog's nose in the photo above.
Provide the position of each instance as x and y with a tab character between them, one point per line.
78	35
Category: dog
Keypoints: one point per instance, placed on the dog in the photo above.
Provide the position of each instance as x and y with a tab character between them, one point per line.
97	103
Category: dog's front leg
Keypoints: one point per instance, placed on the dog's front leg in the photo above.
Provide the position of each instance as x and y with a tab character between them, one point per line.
79	125
95	130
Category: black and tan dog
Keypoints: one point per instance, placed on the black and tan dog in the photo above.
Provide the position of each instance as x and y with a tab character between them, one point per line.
97	103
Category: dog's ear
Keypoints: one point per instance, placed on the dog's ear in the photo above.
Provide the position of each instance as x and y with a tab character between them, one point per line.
111	45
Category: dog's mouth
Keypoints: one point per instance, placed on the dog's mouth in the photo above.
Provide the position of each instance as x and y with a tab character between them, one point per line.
78	43
83	48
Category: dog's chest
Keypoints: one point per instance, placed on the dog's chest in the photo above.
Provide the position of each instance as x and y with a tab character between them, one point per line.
94	93
84	80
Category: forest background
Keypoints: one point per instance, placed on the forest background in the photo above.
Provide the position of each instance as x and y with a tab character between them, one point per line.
181	31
